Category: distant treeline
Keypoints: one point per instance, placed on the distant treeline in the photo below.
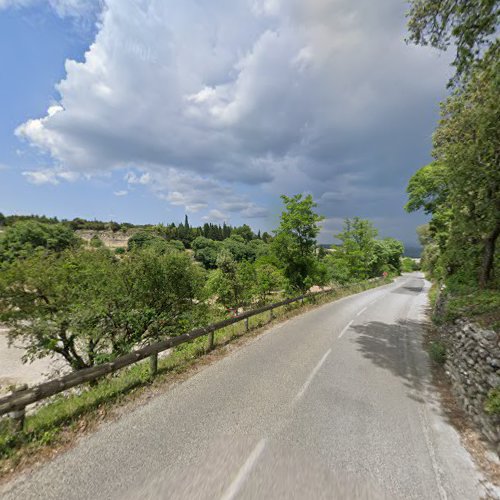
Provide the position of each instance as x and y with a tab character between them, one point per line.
182	232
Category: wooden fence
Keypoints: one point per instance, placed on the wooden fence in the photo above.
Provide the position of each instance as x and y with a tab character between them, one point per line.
15	403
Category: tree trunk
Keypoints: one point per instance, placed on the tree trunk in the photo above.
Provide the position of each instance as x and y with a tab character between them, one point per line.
488	257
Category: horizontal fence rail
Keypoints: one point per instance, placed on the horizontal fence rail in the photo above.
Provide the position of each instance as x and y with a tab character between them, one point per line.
16	402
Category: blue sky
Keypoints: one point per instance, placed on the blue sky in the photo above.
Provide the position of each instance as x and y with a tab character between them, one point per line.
142	111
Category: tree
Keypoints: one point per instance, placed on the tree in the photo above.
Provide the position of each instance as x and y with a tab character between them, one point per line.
140	240
25	237
244	231
239	249
295	240
89	306
388	255
358	248
268	279
469	25
232	283
467	141
206	251
408	265
461	189
428	188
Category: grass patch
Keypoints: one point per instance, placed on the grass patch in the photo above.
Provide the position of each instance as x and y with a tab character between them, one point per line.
481	306
433	294
65	416
492	403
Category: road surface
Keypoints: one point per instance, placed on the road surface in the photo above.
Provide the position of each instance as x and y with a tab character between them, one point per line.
335	403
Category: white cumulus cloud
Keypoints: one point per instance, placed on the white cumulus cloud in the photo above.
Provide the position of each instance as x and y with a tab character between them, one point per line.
214	105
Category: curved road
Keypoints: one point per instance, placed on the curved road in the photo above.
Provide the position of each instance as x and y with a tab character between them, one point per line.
335	403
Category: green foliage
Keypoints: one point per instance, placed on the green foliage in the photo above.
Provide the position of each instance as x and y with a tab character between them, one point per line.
141	239
295	241
361	255
238	248
358	247
268	279
388	253
492	403
232	282
482	306
96	242
428	188
88	306
26	237
437	352
244	231
206	251
461	188
469	26
408	265
150	240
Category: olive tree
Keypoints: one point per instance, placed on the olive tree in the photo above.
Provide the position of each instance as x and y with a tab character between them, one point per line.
89	306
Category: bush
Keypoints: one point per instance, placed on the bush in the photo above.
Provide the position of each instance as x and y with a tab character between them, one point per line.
96	242
437	352
407	265
492	403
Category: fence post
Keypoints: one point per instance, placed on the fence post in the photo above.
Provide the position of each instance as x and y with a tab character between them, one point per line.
210	341
246	324
18	416
153	364
271	315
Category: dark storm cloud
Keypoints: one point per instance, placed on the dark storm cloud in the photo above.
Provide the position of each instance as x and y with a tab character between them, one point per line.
213	109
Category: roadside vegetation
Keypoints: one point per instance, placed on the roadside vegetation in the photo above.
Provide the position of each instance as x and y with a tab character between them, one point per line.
460	189
57	423
88	304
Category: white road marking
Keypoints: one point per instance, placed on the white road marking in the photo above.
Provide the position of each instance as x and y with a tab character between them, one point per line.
362	311
244	471
345	328
311	376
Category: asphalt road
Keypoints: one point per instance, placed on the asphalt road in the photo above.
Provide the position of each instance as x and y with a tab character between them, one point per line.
335	403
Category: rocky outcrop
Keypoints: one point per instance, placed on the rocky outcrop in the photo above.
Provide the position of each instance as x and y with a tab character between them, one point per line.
473	365
109	238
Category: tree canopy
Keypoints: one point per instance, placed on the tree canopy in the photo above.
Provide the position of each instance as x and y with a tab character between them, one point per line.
461	188
470	26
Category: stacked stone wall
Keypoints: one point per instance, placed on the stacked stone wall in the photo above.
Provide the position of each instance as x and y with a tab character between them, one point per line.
472	363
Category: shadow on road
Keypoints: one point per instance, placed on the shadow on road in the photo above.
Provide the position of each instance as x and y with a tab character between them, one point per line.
397	348
408	290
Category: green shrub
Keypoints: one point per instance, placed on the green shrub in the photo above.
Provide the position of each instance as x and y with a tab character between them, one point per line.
437	352
492	403
96	242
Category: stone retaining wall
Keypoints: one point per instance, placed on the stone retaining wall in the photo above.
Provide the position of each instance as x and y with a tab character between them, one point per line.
473	365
